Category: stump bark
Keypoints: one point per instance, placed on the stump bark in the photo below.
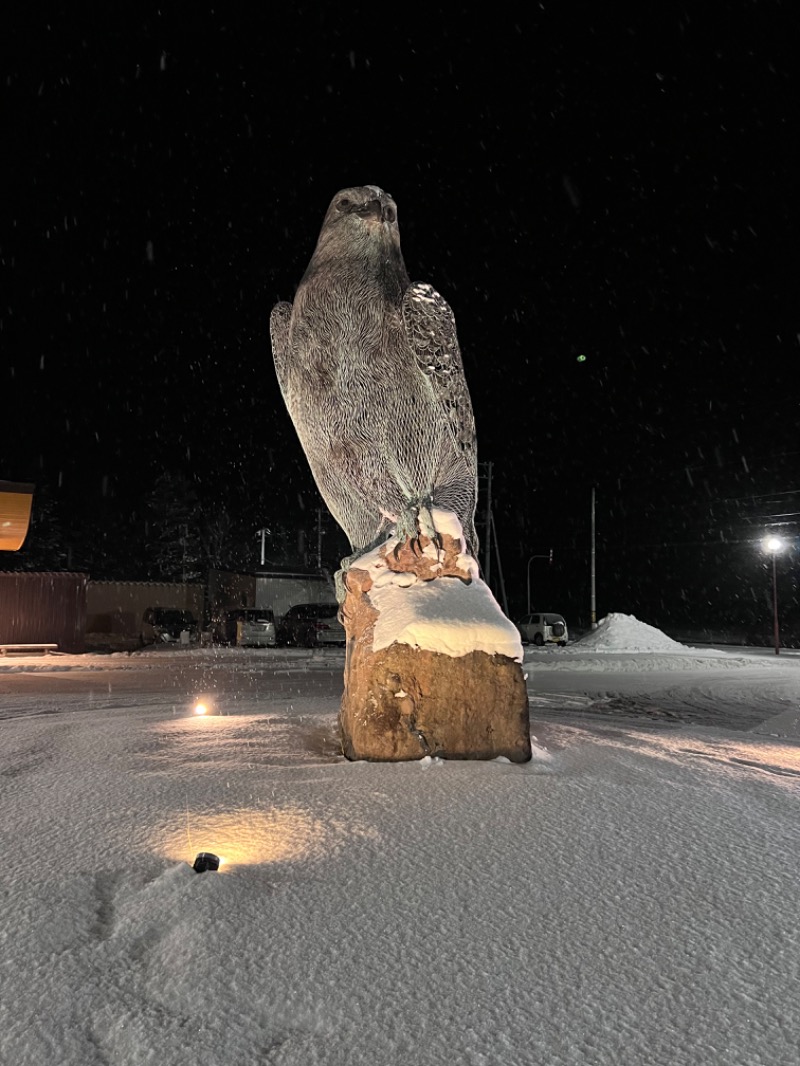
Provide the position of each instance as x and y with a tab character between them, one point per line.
433	667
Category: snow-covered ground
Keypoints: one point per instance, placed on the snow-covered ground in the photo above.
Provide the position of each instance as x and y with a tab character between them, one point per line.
628	897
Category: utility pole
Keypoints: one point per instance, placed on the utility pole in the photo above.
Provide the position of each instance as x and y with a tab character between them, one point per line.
262	533
319	538
775	627
500	570
775	544
593	607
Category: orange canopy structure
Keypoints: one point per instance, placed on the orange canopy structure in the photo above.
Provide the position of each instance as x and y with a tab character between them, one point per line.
16	501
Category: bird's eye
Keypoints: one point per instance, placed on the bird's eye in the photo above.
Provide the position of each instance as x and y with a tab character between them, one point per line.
344	203
389	213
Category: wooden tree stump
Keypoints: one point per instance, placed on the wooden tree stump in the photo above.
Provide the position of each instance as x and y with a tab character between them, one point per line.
433	666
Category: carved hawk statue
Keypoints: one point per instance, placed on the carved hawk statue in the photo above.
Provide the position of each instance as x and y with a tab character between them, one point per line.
370	369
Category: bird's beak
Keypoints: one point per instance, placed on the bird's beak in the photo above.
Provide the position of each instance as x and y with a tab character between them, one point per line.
371	209
379	209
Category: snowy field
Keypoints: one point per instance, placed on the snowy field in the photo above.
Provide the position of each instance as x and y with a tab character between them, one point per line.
629	897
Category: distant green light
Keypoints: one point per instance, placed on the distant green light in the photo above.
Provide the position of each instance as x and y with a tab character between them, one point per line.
581	358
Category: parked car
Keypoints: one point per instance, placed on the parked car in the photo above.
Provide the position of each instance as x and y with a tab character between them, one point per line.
543	628
169	625
310	625
249	627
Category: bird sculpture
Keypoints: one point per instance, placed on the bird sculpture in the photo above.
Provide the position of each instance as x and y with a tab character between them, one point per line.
370	370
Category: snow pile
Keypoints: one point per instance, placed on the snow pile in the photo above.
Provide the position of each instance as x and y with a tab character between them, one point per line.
623	632
448	616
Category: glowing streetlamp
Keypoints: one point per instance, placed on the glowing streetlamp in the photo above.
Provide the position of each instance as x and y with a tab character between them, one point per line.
774	545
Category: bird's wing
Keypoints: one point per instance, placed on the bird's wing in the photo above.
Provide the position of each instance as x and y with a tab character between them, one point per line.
279	334
431	333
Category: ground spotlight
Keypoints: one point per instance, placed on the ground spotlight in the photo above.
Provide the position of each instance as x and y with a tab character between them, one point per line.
206	860
201	708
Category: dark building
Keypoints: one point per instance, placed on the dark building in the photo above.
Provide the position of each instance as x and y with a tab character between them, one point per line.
43	608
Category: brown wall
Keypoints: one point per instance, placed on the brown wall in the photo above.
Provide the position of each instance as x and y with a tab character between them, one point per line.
116	607
43	608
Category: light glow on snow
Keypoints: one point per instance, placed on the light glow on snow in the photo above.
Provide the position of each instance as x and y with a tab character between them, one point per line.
243	836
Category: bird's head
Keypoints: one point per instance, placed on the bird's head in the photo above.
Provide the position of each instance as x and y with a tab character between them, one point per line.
363	214
363	203
360	235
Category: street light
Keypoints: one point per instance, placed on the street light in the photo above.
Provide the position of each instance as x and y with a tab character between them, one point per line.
774	545
550	557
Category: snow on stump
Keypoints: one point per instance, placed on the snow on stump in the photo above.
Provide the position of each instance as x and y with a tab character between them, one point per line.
433	666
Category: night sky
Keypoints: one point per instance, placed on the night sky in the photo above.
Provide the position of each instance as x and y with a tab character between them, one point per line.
620	189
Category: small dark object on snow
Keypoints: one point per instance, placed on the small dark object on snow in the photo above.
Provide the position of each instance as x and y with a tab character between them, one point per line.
205	861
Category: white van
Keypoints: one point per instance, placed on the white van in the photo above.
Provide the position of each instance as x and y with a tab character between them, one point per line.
543	628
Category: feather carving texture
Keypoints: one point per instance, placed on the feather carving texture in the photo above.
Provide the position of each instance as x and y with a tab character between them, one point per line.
370	370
